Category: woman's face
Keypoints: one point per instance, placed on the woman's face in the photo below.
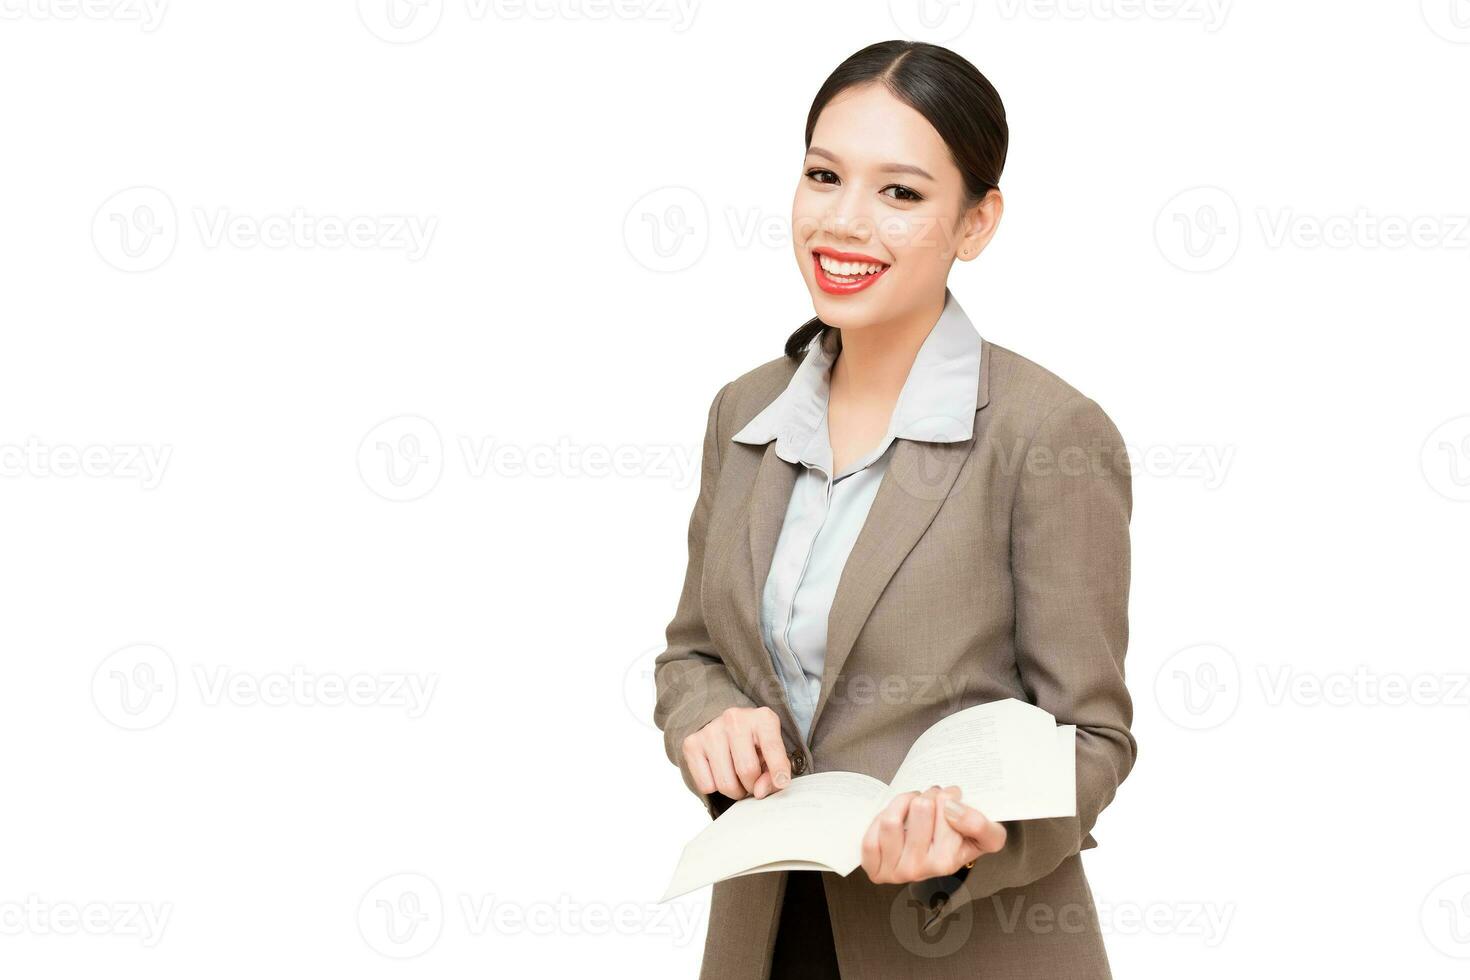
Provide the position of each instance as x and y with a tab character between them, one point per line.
880	191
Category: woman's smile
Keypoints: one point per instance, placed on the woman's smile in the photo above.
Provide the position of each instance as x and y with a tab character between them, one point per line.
842	273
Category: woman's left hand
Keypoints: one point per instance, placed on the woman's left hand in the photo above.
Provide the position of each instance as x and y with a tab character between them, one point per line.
917	837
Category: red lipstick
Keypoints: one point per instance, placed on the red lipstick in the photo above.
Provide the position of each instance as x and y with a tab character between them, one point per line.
846	285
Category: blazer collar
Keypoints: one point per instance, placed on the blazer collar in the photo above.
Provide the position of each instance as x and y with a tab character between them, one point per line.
936	404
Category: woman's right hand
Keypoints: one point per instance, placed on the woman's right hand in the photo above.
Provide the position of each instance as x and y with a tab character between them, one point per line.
738	753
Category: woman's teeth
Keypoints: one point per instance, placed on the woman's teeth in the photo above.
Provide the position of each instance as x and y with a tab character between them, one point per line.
848	271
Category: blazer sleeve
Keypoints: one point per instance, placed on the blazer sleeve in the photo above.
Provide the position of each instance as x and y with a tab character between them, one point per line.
1070	568
692	684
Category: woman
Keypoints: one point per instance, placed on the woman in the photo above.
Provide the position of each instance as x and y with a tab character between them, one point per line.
897	520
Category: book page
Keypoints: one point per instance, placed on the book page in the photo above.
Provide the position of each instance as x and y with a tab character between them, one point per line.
1009	758
817	821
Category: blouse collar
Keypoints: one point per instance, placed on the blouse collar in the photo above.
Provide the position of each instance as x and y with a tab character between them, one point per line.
936	404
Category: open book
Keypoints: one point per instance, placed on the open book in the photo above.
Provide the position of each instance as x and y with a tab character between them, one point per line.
1009	758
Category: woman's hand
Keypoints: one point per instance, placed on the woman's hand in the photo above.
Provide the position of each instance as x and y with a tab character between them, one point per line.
739	752
927	835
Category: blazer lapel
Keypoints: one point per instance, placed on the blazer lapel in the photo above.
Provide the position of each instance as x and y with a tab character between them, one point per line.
769	497
920	476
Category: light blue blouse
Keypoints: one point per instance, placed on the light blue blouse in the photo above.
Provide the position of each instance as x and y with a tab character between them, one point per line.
825	514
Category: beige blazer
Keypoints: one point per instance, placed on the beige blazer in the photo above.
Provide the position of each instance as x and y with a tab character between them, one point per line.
990	568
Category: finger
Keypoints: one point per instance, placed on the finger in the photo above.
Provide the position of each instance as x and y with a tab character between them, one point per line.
723	769
704	780
872	852
988	835
773	749
743	755
763	787
890	835
936	797
948	849
968	851
918	835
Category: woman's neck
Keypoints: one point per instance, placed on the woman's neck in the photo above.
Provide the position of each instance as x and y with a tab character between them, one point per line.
875	361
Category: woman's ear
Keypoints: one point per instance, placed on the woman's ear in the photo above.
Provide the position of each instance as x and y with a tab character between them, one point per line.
978	225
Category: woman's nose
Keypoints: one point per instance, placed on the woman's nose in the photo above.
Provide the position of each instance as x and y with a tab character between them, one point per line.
848	219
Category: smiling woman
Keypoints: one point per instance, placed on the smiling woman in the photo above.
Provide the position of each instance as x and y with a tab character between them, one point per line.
864	522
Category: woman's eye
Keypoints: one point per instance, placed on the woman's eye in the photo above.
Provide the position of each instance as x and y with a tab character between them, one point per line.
900	192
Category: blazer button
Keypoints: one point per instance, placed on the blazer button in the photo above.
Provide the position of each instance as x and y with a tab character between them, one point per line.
798	764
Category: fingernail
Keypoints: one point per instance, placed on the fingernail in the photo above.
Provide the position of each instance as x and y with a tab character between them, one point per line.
782	779
953	809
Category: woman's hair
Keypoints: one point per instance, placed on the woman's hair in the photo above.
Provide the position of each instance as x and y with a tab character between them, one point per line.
959	102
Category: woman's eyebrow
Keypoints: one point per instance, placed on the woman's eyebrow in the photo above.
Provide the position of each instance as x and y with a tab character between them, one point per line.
888	168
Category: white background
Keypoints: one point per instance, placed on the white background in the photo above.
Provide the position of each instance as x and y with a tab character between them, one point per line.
466	461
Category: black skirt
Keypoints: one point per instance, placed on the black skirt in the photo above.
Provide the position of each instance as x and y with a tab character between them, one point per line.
804	947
